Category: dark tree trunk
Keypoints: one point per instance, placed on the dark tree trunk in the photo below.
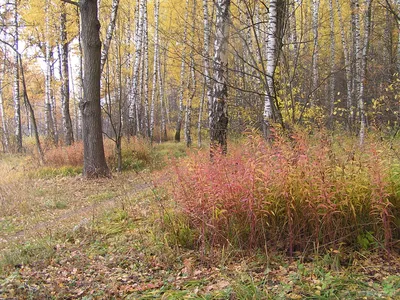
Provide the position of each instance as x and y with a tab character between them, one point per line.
94	159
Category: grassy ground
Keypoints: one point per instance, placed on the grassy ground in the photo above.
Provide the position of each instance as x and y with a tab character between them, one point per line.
64	237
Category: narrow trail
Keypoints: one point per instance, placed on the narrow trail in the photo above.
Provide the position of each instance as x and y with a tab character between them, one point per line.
70	218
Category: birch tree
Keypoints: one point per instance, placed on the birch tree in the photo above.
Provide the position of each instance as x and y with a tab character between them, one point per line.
134	95
315	25
48	103
145	69
182	77
4	125
271	52
155	68
16	92
110	32
348	64
191	81
65	94
362	65
219	113
164	112
206	54
332	63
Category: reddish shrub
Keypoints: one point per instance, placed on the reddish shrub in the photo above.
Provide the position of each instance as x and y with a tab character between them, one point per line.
298	193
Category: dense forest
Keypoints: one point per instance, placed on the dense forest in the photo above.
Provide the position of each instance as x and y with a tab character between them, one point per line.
258	137
165	64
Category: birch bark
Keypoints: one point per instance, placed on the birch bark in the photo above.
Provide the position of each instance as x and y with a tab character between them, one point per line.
155	67
332	64
2	112
270	67
48	103
182	82
110	32
16	91
145	82
315	25
207	78
219	114
134	95
66	116
191	82
363	68
347	62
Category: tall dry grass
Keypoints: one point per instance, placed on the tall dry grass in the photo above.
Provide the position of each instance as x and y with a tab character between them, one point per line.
300	193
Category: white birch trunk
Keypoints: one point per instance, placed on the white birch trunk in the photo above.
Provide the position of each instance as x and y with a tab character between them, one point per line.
163	104
155	67
134	95
191	82
363	68
2	112
65	94
79	132
219	116
110	32
315	25
347	62
270	67
206	55
145	81
16	91
48	102
332	64
182	76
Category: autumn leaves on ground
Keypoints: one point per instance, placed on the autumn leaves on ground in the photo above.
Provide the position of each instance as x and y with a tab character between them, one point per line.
302	219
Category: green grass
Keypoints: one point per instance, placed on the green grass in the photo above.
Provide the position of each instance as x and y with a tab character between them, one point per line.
140	247
51	172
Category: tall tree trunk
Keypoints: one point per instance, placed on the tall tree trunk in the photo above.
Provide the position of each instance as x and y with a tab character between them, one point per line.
206	55
128	78
66	116
347	62
48	103
31	112
363	67
79	130
207	79
110	32
155	67
181	87
219	114
2	112
145	81
134	95
272	33
163	104
94	159
191	82
315	26
332	65
16	92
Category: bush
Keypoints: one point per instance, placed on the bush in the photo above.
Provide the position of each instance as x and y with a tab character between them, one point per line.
65	155
300	192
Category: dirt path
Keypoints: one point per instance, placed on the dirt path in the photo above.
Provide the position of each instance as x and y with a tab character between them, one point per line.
71	219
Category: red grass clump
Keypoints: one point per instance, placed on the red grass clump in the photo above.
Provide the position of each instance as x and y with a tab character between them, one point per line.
65	155
298	194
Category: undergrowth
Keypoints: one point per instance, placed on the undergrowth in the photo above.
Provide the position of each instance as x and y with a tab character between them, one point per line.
302	193
137	154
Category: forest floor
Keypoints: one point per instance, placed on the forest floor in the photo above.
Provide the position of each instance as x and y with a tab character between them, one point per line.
63	237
